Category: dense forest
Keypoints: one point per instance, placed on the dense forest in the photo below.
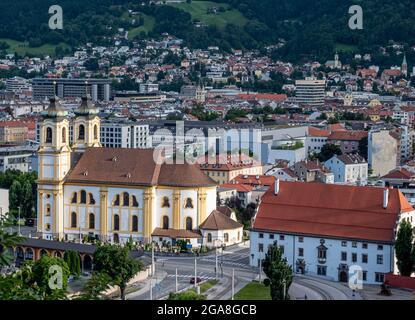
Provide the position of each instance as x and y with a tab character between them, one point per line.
316	27
312	29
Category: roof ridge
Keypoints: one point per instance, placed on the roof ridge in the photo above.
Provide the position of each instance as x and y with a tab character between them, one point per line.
307	206
329	224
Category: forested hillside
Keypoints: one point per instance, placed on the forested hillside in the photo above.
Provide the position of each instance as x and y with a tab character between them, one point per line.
312	28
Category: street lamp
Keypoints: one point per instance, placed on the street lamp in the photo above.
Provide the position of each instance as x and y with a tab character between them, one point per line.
18	222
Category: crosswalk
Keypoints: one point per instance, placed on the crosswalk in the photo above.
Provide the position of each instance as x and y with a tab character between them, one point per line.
201	275
227	262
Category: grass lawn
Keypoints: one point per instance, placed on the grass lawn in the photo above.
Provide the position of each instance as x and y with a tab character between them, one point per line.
207	285
148	26
341	47
198	11
253	291
21	48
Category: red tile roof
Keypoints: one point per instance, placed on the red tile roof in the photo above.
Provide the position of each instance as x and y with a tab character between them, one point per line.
253	180
237	186
401	173
348	135
134	167
218	221
330	210
175	233
314	132
264	96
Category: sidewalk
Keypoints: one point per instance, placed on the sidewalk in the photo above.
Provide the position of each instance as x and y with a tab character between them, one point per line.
160	276
342	287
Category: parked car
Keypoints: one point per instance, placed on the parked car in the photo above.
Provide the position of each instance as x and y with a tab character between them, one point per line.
192	280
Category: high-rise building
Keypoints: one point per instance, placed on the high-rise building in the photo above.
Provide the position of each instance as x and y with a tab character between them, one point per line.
98	89
310	92
125	134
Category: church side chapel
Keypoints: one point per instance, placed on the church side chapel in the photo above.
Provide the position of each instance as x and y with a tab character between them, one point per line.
114	194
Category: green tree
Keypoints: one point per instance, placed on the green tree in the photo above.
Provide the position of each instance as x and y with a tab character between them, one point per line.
73	260
43	273
279	273
328	151
14	194
95	287
404	249
187	295
7	240
115	261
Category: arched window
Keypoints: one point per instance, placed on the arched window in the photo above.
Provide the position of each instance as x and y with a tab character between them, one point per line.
74	222
209	237
165	222
81	132
96	132
74	198
48	135
91	199
83	197
189	223
116	201
165	203
116	222
126	199
63	135
226	237
189	203
48	210
135	224
135	202
91	221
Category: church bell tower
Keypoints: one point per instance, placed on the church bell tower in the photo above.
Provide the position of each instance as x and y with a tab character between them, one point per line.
54	164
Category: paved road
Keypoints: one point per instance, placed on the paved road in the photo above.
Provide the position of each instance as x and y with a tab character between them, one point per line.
232	259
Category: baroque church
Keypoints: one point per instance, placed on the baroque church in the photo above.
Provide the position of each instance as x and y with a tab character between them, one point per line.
114	194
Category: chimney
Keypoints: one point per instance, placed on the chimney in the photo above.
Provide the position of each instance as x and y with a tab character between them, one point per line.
385	197
277	187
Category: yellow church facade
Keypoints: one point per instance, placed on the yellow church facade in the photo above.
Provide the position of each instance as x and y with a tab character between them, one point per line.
111	194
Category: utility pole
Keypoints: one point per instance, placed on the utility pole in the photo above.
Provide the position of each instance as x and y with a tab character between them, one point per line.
195	272
18	222
153	266
177	283
216	263
151	288
260	267
233	283
284	288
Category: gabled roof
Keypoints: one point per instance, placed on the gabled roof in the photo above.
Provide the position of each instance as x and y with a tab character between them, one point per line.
175	233
328	210
225	210
400	173
134	167
237	186
219	221
314	132
255	180
351	158
348	135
